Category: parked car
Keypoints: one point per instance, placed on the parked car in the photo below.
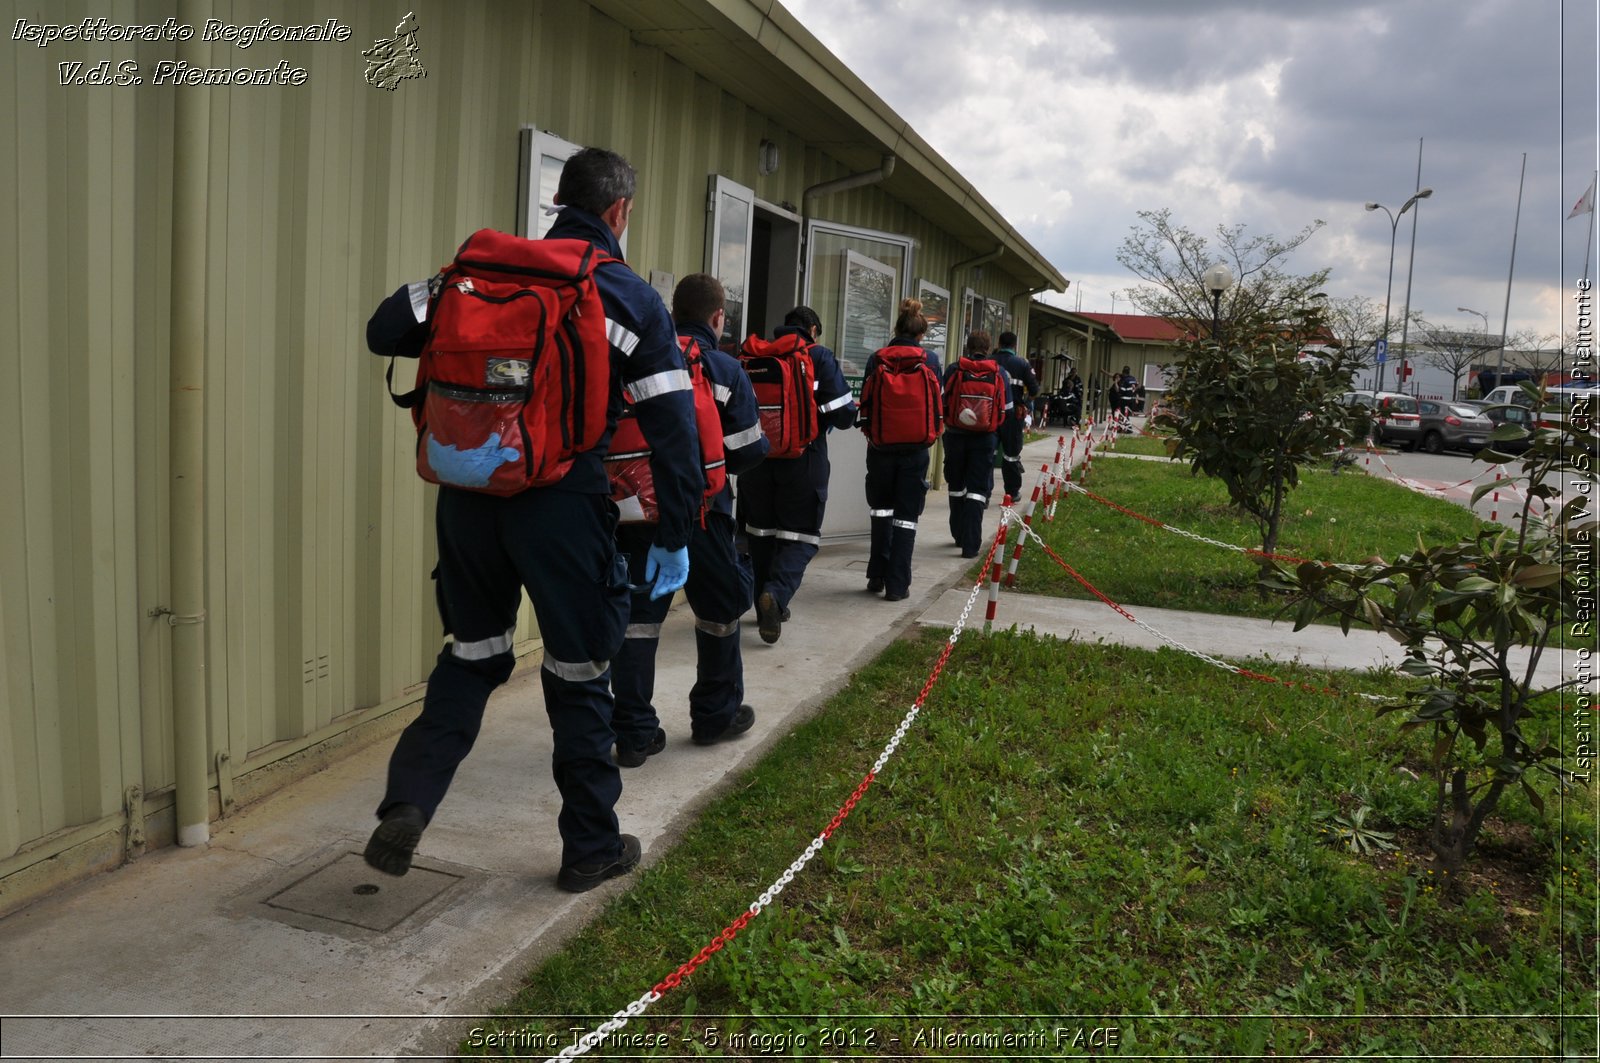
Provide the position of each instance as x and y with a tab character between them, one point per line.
1511	413
1394	416
1508	394
1446	426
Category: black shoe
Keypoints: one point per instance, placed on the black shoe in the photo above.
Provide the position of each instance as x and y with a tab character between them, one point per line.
743	717
580	878
969	553
891	596
769	618
632	758
874	585
391	845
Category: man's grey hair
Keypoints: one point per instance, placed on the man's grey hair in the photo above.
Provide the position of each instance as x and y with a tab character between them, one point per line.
595	178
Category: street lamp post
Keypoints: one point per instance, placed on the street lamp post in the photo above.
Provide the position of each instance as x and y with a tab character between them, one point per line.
1394	229
1479	313
1217	280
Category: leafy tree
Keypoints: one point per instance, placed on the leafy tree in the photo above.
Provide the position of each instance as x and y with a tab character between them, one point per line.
1171	259
1475	617
1252	412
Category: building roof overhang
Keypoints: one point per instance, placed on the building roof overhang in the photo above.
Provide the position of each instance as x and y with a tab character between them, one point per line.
758	51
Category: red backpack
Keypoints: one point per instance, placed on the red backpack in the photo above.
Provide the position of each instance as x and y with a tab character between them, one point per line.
902	396
516	371
627	461
975	401
784	381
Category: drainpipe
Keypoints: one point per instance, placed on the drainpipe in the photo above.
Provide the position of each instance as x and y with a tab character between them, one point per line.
186	443
844	184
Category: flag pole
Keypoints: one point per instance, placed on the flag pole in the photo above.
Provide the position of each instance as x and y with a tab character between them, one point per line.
1588	241
1505	321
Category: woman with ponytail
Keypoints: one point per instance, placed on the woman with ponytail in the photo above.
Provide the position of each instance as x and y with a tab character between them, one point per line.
901	430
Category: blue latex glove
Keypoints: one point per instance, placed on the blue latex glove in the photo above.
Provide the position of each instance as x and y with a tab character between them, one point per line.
668	568
469	468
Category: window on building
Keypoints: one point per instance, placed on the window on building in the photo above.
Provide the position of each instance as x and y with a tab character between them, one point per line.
855	279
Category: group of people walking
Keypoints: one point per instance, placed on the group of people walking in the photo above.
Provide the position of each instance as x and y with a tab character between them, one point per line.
602	494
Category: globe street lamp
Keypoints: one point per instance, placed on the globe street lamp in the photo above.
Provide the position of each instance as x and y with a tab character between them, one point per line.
1394	229
1217	280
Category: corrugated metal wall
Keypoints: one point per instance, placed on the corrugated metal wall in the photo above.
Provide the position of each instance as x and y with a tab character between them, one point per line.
321	199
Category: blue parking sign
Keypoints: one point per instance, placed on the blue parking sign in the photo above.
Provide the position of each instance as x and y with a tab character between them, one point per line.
1383	351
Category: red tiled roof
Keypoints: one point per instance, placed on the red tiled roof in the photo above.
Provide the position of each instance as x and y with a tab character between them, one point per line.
1139	328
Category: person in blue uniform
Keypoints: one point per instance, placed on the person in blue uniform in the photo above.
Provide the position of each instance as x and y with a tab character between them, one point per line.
782	501
558	543
1024	388
897	478
719	588
969	461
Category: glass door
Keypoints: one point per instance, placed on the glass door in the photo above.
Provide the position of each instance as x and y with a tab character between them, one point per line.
728	240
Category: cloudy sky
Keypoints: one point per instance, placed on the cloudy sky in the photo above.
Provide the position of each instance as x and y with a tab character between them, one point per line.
1071	115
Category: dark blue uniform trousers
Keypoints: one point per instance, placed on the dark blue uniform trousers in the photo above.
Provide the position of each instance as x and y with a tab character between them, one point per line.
897	487
781	505
1011	453
719	592
560	546
969	476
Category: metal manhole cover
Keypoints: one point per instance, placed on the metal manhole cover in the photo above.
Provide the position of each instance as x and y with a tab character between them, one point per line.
348	891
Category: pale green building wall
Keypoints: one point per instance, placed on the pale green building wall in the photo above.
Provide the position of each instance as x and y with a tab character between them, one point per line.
321	200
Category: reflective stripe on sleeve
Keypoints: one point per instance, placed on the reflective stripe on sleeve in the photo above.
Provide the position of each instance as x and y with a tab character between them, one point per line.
742	439
720	631
721	392
842	400
575	671
483	649
622	338
660	384
417	292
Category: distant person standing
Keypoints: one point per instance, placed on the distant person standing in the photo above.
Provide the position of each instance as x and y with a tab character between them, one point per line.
782	500
901	415
1024	387
977	392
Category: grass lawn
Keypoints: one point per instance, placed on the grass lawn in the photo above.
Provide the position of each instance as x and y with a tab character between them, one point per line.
1345	518
1124	846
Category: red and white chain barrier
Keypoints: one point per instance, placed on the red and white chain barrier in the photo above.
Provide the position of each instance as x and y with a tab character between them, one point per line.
620	1019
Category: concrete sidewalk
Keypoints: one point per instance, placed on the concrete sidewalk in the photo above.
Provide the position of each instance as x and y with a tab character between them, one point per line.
276	941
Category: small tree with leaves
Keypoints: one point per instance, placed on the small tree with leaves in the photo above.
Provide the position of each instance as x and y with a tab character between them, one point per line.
1251	412
1475	617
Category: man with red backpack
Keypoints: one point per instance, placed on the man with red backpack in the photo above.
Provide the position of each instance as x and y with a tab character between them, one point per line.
901	414
782	500
555	537
719	587
977	401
